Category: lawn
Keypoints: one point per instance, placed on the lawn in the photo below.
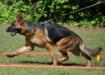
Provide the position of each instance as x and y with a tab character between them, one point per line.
94	37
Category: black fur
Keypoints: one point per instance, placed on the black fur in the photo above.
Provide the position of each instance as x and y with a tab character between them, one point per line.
55	31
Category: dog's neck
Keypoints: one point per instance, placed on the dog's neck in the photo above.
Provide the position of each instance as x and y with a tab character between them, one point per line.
29	28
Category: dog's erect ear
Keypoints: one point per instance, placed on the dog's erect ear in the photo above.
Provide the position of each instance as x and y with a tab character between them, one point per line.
19	18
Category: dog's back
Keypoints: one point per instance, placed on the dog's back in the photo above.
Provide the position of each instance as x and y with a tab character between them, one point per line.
55	32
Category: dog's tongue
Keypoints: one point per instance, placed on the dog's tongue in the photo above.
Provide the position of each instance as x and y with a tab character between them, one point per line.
13	33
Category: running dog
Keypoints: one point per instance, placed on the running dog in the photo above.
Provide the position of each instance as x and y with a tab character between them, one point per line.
48	35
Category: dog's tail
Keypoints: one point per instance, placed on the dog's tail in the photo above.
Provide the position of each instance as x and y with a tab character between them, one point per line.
91	52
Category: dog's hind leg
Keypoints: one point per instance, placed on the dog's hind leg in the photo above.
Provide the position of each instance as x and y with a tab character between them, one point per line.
62	48
87	57
65	56
85	53
67	44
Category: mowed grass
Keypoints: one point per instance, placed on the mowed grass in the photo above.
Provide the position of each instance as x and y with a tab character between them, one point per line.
92	38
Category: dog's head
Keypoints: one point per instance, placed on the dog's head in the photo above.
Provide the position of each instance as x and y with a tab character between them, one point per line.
17	26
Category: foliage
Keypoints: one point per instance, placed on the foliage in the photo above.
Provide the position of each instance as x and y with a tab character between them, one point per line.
43	10
8	13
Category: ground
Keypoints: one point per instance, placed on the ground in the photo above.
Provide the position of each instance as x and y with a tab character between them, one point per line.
93	37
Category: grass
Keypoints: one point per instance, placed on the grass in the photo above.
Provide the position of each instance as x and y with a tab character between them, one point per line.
92	38
32	71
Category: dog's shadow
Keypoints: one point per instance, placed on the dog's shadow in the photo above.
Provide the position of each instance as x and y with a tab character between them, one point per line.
50	63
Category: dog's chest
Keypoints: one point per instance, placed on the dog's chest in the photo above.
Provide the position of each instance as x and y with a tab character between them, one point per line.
36	41
39	38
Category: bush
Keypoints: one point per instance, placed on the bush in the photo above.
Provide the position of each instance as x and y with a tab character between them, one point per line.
8	13
43	10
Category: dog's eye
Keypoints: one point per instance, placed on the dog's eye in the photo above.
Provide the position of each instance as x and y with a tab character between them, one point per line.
13	24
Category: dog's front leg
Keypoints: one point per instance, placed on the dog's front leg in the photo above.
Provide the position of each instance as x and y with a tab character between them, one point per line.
20	51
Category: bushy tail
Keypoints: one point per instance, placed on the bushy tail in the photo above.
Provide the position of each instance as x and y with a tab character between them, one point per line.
90	52
95	52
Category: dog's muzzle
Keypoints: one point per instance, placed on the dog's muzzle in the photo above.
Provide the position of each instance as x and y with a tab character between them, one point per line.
13	31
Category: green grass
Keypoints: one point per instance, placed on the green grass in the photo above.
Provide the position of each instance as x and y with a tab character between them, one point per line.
32	71
92	38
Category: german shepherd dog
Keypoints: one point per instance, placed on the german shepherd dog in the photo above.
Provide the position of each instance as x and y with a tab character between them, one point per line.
48	35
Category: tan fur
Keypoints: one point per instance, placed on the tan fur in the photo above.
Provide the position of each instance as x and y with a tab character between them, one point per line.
21	51
67	41
68	44
39	38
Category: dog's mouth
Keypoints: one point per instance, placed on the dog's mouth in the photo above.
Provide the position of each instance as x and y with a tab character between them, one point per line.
13	33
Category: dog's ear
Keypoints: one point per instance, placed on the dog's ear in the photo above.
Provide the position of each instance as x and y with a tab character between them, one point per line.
19	18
